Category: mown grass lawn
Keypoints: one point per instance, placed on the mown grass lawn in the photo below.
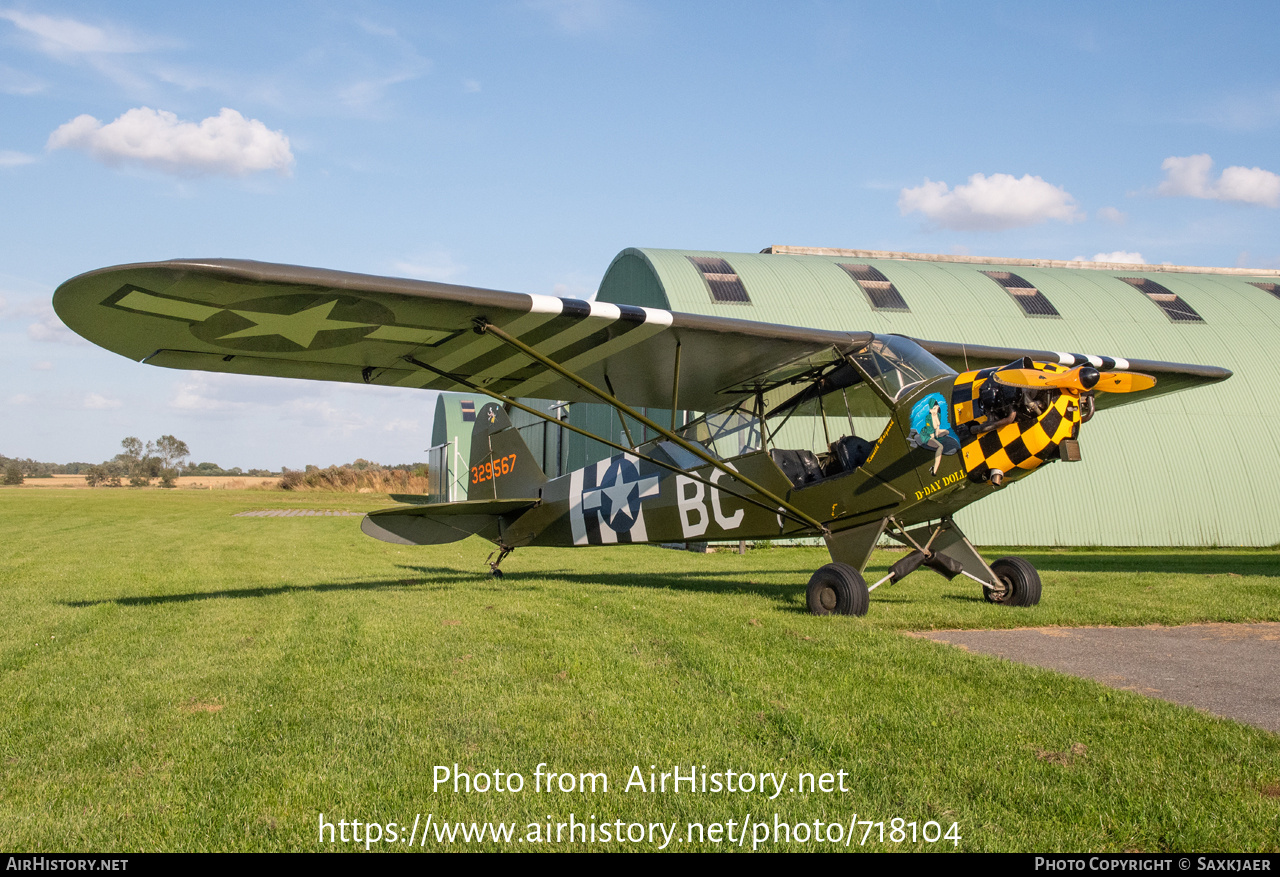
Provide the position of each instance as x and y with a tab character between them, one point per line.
175	678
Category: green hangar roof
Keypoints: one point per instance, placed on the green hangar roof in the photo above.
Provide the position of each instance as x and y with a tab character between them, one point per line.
1183	469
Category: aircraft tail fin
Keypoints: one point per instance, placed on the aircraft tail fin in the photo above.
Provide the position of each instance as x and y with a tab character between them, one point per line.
502	466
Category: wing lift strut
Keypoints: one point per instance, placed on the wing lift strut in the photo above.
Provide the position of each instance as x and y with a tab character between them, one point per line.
946	551
779	505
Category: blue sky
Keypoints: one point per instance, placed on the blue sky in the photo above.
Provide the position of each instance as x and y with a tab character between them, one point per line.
521	144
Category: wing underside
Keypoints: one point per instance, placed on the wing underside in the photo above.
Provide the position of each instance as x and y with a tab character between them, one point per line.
285	321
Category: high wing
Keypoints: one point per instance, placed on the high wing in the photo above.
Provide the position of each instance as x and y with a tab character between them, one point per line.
1170	376
286	321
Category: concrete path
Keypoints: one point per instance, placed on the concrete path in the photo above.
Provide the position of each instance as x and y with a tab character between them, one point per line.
1232	670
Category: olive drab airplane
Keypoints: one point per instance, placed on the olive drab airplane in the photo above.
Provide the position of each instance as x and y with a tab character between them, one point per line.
960	422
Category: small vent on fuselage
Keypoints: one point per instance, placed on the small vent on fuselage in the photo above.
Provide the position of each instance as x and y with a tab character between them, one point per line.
1031	300
1174	307
878	289
722	281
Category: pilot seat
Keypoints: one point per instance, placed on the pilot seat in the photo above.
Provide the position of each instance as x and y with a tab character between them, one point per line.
803	468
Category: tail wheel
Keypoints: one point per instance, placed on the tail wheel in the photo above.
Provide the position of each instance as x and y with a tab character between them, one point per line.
1021	583
837	589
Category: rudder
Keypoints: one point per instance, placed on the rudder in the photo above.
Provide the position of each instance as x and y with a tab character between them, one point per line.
502	466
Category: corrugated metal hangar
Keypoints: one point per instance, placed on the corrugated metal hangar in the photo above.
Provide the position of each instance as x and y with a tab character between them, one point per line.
1190	468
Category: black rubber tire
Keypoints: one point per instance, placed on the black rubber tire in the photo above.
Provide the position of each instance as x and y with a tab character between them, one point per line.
1021	581
838	589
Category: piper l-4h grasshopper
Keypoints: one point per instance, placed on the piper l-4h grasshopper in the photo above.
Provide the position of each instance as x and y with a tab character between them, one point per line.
947	438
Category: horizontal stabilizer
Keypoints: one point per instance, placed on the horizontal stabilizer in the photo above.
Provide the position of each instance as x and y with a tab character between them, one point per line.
467	507
440	523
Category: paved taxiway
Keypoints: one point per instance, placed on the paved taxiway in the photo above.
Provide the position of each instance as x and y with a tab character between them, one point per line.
1230	670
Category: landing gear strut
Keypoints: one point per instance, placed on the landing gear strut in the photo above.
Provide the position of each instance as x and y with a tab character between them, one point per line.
1009	581
493	564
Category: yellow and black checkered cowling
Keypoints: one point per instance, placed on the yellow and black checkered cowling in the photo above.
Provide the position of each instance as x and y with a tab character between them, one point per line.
1023	444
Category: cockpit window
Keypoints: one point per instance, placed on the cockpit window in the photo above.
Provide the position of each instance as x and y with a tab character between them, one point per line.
726	434
897	364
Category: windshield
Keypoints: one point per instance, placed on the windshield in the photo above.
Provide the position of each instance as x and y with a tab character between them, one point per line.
897	364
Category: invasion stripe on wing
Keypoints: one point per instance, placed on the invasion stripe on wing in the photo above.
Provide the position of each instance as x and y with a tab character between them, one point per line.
549	345
654	321
633	321
542	309
553	325
1102	362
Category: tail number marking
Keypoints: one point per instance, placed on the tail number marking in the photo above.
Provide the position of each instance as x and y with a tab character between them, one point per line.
493	469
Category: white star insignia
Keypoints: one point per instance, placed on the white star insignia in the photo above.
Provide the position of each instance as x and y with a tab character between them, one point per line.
300	328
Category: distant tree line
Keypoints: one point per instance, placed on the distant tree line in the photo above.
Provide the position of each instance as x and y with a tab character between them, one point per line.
214	470
140	464
35	469
362	475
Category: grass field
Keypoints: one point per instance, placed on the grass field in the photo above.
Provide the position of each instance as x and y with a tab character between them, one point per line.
175	678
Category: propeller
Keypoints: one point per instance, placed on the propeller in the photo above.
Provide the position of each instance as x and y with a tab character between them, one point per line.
1081	379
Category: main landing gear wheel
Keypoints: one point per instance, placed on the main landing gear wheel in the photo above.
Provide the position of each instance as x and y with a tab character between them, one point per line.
837	589
1021	583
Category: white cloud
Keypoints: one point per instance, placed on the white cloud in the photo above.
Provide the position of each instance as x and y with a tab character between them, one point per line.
21	399
368	91
322	414
50	328
9	158
400	424
574	290
194	395
378	30
1187	176
42	366
394	62
23	306
1190	177
992	203
1122	256
1111	214
227	143
436	265
95	402
230	394
19	83
61	37
106	48
471	86
1251	185
250	396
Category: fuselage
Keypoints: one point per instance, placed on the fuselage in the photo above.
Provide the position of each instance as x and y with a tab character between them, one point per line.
950	441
